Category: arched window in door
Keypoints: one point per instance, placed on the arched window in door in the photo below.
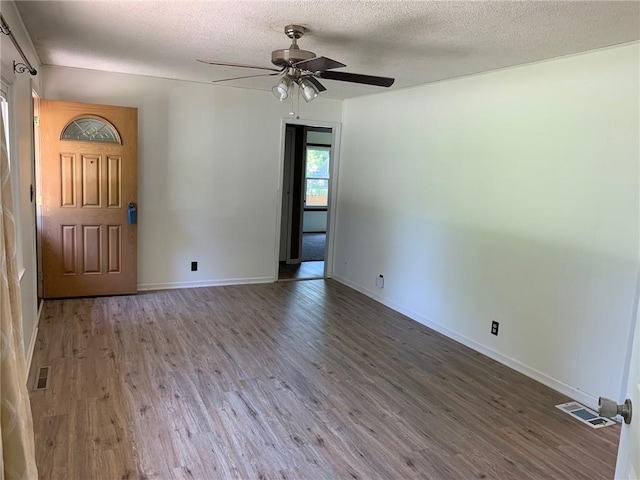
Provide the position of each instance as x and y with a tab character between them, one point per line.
90	128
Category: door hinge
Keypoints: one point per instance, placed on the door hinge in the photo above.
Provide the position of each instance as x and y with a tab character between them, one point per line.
32	193
36	120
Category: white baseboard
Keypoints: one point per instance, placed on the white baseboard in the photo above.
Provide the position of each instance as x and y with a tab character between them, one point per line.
32	340
203	283
572	392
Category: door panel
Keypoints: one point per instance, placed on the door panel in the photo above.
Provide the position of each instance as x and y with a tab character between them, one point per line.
67	180
69	250
88	246
114	242
114	182
91	181
91	247
628	464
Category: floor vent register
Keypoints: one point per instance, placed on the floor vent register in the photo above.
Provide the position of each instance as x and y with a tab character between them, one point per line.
585	415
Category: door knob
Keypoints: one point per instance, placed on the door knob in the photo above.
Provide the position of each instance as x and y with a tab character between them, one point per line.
609	408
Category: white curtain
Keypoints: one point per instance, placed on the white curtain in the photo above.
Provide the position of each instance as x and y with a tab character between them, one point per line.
17	454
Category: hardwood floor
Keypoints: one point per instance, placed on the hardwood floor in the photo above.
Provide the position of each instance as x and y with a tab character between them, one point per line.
293	380
300	271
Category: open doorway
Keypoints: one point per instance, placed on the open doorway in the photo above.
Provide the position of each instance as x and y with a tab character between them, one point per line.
306	201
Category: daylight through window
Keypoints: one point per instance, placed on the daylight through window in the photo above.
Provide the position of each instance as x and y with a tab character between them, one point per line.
317	176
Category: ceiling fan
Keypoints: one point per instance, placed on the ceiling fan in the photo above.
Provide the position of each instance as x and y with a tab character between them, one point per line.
302	68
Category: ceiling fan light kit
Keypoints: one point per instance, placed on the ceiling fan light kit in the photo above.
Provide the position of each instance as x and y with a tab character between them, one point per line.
302	68
281	89
308	89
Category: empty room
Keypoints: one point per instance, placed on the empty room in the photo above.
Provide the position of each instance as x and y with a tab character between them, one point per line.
320	240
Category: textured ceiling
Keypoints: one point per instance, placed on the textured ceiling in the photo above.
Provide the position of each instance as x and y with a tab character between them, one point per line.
415	42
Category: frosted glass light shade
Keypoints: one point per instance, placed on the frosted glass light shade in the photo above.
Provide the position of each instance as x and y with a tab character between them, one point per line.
308	90
281	89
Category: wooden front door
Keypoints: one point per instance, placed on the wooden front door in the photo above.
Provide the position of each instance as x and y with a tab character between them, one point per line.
89	179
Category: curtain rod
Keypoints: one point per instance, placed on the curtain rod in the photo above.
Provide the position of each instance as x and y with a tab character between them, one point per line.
17	67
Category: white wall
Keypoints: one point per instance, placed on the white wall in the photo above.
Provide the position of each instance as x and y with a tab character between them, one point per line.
21	126
508	196
208	172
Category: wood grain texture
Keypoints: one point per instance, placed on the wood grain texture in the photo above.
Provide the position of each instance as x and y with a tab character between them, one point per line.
86	189
293	380
300	271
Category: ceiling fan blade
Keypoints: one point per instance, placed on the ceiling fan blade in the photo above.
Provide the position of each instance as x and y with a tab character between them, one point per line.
315	82
246	76
357	78
240	65
318	64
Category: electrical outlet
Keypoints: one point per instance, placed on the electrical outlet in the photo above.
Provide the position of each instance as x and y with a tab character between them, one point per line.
194	266
494	328
380	281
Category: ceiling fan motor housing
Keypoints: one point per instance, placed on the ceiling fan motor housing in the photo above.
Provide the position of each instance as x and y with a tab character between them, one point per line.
288	56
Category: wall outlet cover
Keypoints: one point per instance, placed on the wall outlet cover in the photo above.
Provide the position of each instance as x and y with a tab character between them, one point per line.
494	328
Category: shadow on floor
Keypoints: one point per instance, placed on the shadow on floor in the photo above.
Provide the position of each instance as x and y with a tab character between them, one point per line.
301	271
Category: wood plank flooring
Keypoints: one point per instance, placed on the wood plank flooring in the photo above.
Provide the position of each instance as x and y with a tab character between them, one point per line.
293	380
300	271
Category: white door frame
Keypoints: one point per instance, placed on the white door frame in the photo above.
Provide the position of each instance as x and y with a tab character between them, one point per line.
333	188
37	184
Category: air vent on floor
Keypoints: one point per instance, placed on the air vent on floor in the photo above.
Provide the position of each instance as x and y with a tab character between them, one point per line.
585	415
42	379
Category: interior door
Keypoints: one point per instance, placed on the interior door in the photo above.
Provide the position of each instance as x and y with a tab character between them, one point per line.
89	180
628	464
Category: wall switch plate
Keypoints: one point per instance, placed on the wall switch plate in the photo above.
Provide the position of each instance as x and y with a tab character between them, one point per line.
494	328
194	266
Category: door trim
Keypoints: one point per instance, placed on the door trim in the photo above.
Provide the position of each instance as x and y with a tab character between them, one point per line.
336	131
